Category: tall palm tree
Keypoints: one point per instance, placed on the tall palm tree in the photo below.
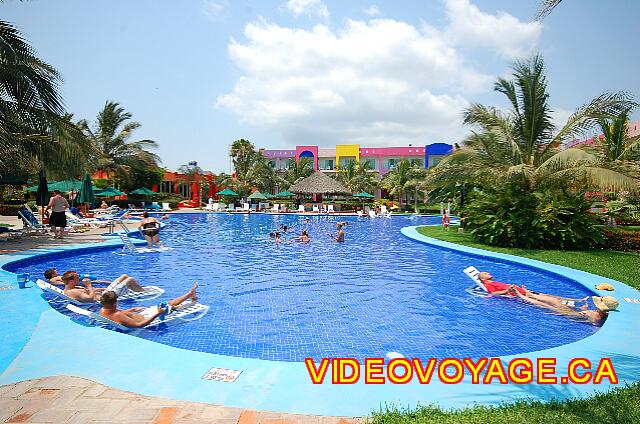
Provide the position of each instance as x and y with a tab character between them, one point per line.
110	137
358	177
525	142
616	144
545	8
33	127
402	178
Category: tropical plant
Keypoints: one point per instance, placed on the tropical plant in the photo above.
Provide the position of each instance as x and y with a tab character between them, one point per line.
545	8
403	178
34	132
297	171
525	141
358	177
110	136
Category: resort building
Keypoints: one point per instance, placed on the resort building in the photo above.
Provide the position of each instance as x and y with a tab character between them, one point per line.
381	159
633	130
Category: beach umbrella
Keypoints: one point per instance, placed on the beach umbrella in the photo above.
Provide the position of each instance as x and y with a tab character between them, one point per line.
66	186
364	195
143	191
86	194
319	183
269	195
226	192
42	195
284	194
109	192
257	196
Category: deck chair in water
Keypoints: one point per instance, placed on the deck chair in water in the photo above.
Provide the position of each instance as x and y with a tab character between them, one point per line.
478	289
184	312
150	292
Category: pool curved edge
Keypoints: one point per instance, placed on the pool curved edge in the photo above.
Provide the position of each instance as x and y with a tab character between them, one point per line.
153	369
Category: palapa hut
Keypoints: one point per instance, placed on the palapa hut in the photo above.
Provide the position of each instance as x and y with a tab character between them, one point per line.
319	183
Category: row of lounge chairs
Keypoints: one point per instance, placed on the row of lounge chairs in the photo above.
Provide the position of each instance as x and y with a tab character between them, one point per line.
384	213
276	208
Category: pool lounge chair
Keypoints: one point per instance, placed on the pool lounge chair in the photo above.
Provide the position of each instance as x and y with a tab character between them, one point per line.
360	214
30	222
274	209
330	209
186	312
148	293
372	214
478	289
166	207
246	207
316	209
301	208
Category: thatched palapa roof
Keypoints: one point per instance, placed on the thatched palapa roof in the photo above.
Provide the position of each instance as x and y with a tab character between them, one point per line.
319	183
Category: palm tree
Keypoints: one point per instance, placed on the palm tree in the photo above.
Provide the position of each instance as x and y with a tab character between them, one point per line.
616	145
524	142
545	8
110	137
403	177
297	171
358	177
34	132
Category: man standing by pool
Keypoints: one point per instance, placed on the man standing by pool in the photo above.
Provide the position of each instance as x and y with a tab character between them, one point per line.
139	317
58	219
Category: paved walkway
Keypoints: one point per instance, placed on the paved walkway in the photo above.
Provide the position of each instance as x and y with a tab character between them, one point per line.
73	400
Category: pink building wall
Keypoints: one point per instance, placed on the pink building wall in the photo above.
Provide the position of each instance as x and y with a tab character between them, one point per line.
312	149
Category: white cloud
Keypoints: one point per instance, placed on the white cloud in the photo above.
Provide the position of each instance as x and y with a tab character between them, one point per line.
373	10
213	9
374	82
469	26
308	8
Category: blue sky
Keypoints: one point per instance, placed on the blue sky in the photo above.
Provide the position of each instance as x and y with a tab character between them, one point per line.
198	74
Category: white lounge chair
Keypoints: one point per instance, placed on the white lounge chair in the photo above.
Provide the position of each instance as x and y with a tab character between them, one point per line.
274	209
185	312
230	207
372	214
246	207
148	293
84	222
360	214
316	209
301	208
330	209
478	289
386	214
383	210
166	207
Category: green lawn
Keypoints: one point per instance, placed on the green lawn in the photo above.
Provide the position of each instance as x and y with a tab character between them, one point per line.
621	266
621	405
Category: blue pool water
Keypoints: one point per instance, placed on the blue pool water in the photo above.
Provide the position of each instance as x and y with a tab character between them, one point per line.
378	292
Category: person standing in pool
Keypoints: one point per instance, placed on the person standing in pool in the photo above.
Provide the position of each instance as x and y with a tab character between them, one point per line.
340	236
150	227
139	317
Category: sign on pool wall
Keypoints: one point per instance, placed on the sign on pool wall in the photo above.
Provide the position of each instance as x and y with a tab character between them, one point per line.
221	374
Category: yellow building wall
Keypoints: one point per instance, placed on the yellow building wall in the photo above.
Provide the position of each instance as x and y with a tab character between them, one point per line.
347	150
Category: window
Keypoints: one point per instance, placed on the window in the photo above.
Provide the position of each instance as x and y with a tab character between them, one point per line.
327	164
272	163
391	163
417	162
344	162
433	161
369	163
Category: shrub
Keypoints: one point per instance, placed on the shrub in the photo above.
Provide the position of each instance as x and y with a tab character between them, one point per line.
626	241
10	210
515	217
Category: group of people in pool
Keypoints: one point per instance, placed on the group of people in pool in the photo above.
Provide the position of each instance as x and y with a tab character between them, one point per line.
82	290
570	307
279	235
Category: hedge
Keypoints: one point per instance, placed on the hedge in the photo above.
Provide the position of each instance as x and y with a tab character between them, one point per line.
626	241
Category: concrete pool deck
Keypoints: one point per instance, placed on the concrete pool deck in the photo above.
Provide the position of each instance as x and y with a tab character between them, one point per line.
39	339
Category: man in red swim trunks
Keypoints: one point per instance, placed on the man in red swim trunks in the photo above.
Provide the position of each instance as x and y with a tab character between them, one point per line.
496	288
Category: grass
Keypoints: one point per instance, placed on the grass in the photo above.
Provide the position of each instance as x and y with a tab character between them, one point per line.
620	405
621	266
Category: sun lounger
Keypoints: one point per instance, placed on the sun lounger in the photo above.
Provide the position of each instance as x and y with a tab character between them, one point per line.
372	214
330	209
246	207
274	209
360	214
316	209
30	222
148	293
301	208
185	312
478	289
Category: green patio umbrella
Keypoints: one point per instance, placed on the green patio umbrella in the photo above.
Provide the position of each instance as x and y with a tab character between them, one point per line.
143	191
42	195
257	196
109	192
86	191
364	195
284	194
66	186
226	192
269	195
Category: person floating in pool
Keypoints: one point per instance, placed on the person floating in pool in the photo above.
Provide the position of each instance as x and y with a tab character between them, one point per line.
89	294
340	236
52	276
150	227
595	316
139	317
496	288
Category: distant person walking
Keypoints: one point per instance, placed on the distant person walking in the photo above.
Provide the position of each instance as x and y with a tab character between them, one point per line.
58	220
150	227
446	221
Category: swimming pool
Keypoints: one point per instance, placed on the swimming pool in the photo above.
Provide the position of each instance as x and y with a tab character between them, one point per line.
377	293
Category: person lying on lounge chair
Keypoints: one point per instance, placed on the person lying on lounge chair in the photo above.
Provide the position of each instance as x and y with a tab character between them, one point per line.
496	288
595	316
56	279
139	317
